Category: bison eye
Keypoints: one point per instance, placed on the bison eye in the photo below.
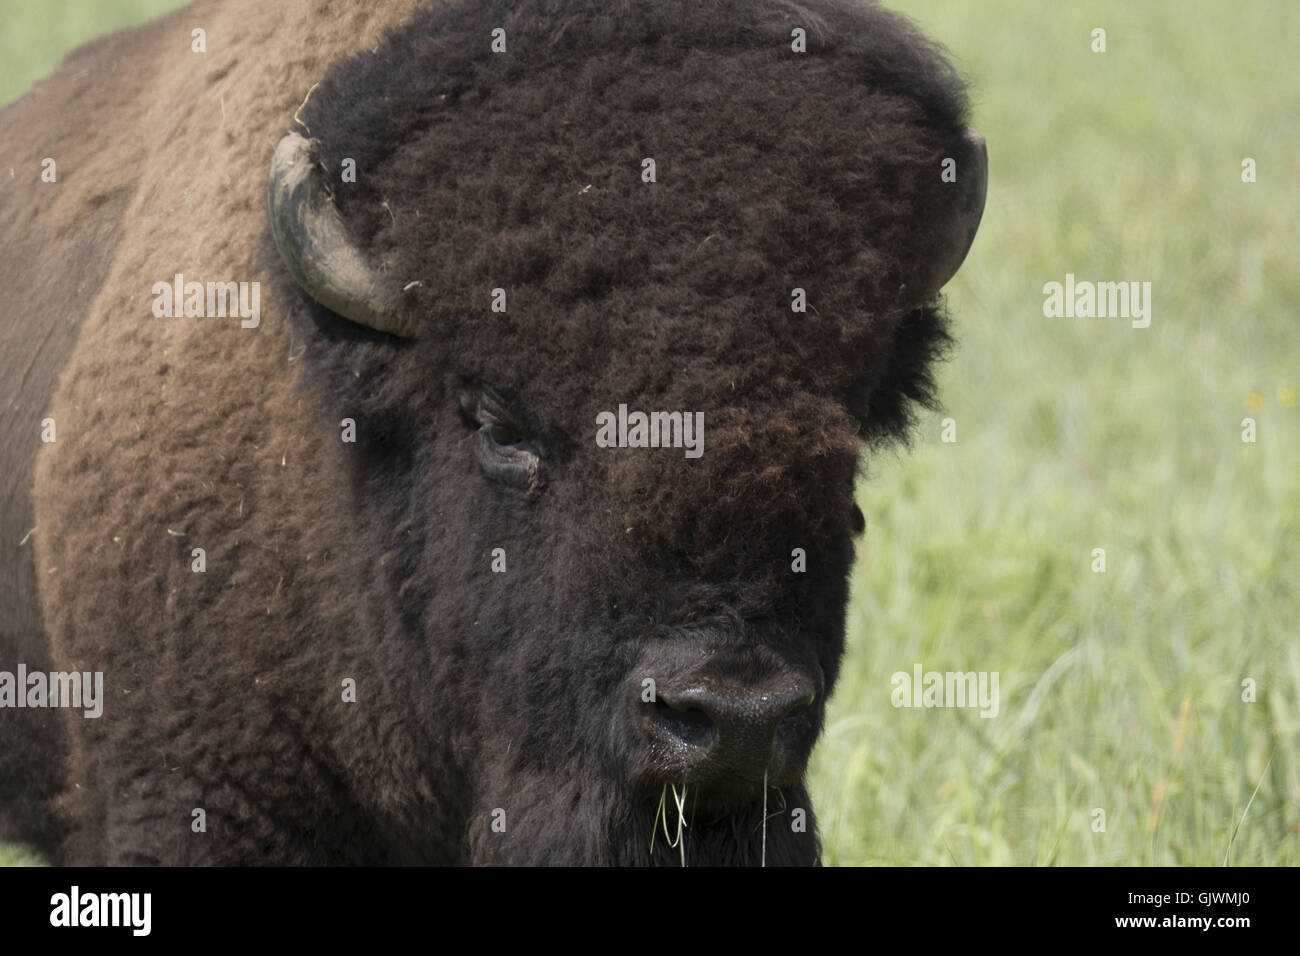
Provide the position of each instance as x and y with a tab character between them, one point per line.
501	442
503	434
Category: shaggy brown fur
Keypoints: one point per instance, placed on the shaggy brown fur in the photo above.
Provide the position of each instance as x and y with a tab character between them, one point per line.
58	242
477	691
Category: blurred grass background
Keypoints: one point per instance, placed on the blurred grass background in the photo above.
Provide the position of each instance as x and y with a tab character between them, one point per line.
1120	691
36	34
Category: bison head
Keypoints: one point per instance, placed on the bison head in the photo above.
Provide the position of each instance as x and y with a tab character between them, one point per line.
563	213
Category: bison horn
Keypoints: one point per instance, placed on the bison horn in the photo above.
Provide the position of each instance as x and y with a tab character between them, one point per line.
972	184
315	246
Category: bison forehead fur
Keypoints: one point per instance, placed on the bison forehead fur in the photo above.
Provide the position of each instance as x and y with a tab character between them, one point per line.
497	716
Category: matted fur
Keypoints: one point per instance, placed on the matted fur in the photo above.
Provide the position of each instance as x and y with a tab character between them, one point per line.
479	692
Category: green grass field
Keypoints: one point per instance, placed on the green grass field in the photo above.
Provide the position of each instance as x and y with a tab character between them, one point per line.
1120	691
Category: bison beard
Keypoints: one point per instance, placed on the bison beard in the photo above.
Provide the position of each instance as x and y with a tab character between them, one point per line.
620	826
649	632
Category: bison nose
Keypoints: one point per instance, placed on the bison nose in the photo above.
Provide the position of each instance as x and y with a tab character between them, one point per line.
714	732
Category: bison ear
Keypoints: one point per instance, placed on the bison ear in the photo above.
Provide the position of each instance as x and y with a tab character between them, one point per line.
314	244
947	249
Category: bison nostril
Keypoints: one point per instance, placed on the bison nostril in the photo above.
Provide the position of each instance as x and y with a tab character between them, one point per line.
724	725
722	729
690	725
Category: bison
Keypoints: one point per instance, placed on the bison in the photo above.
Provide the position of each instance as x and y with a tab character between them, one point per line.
437	423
